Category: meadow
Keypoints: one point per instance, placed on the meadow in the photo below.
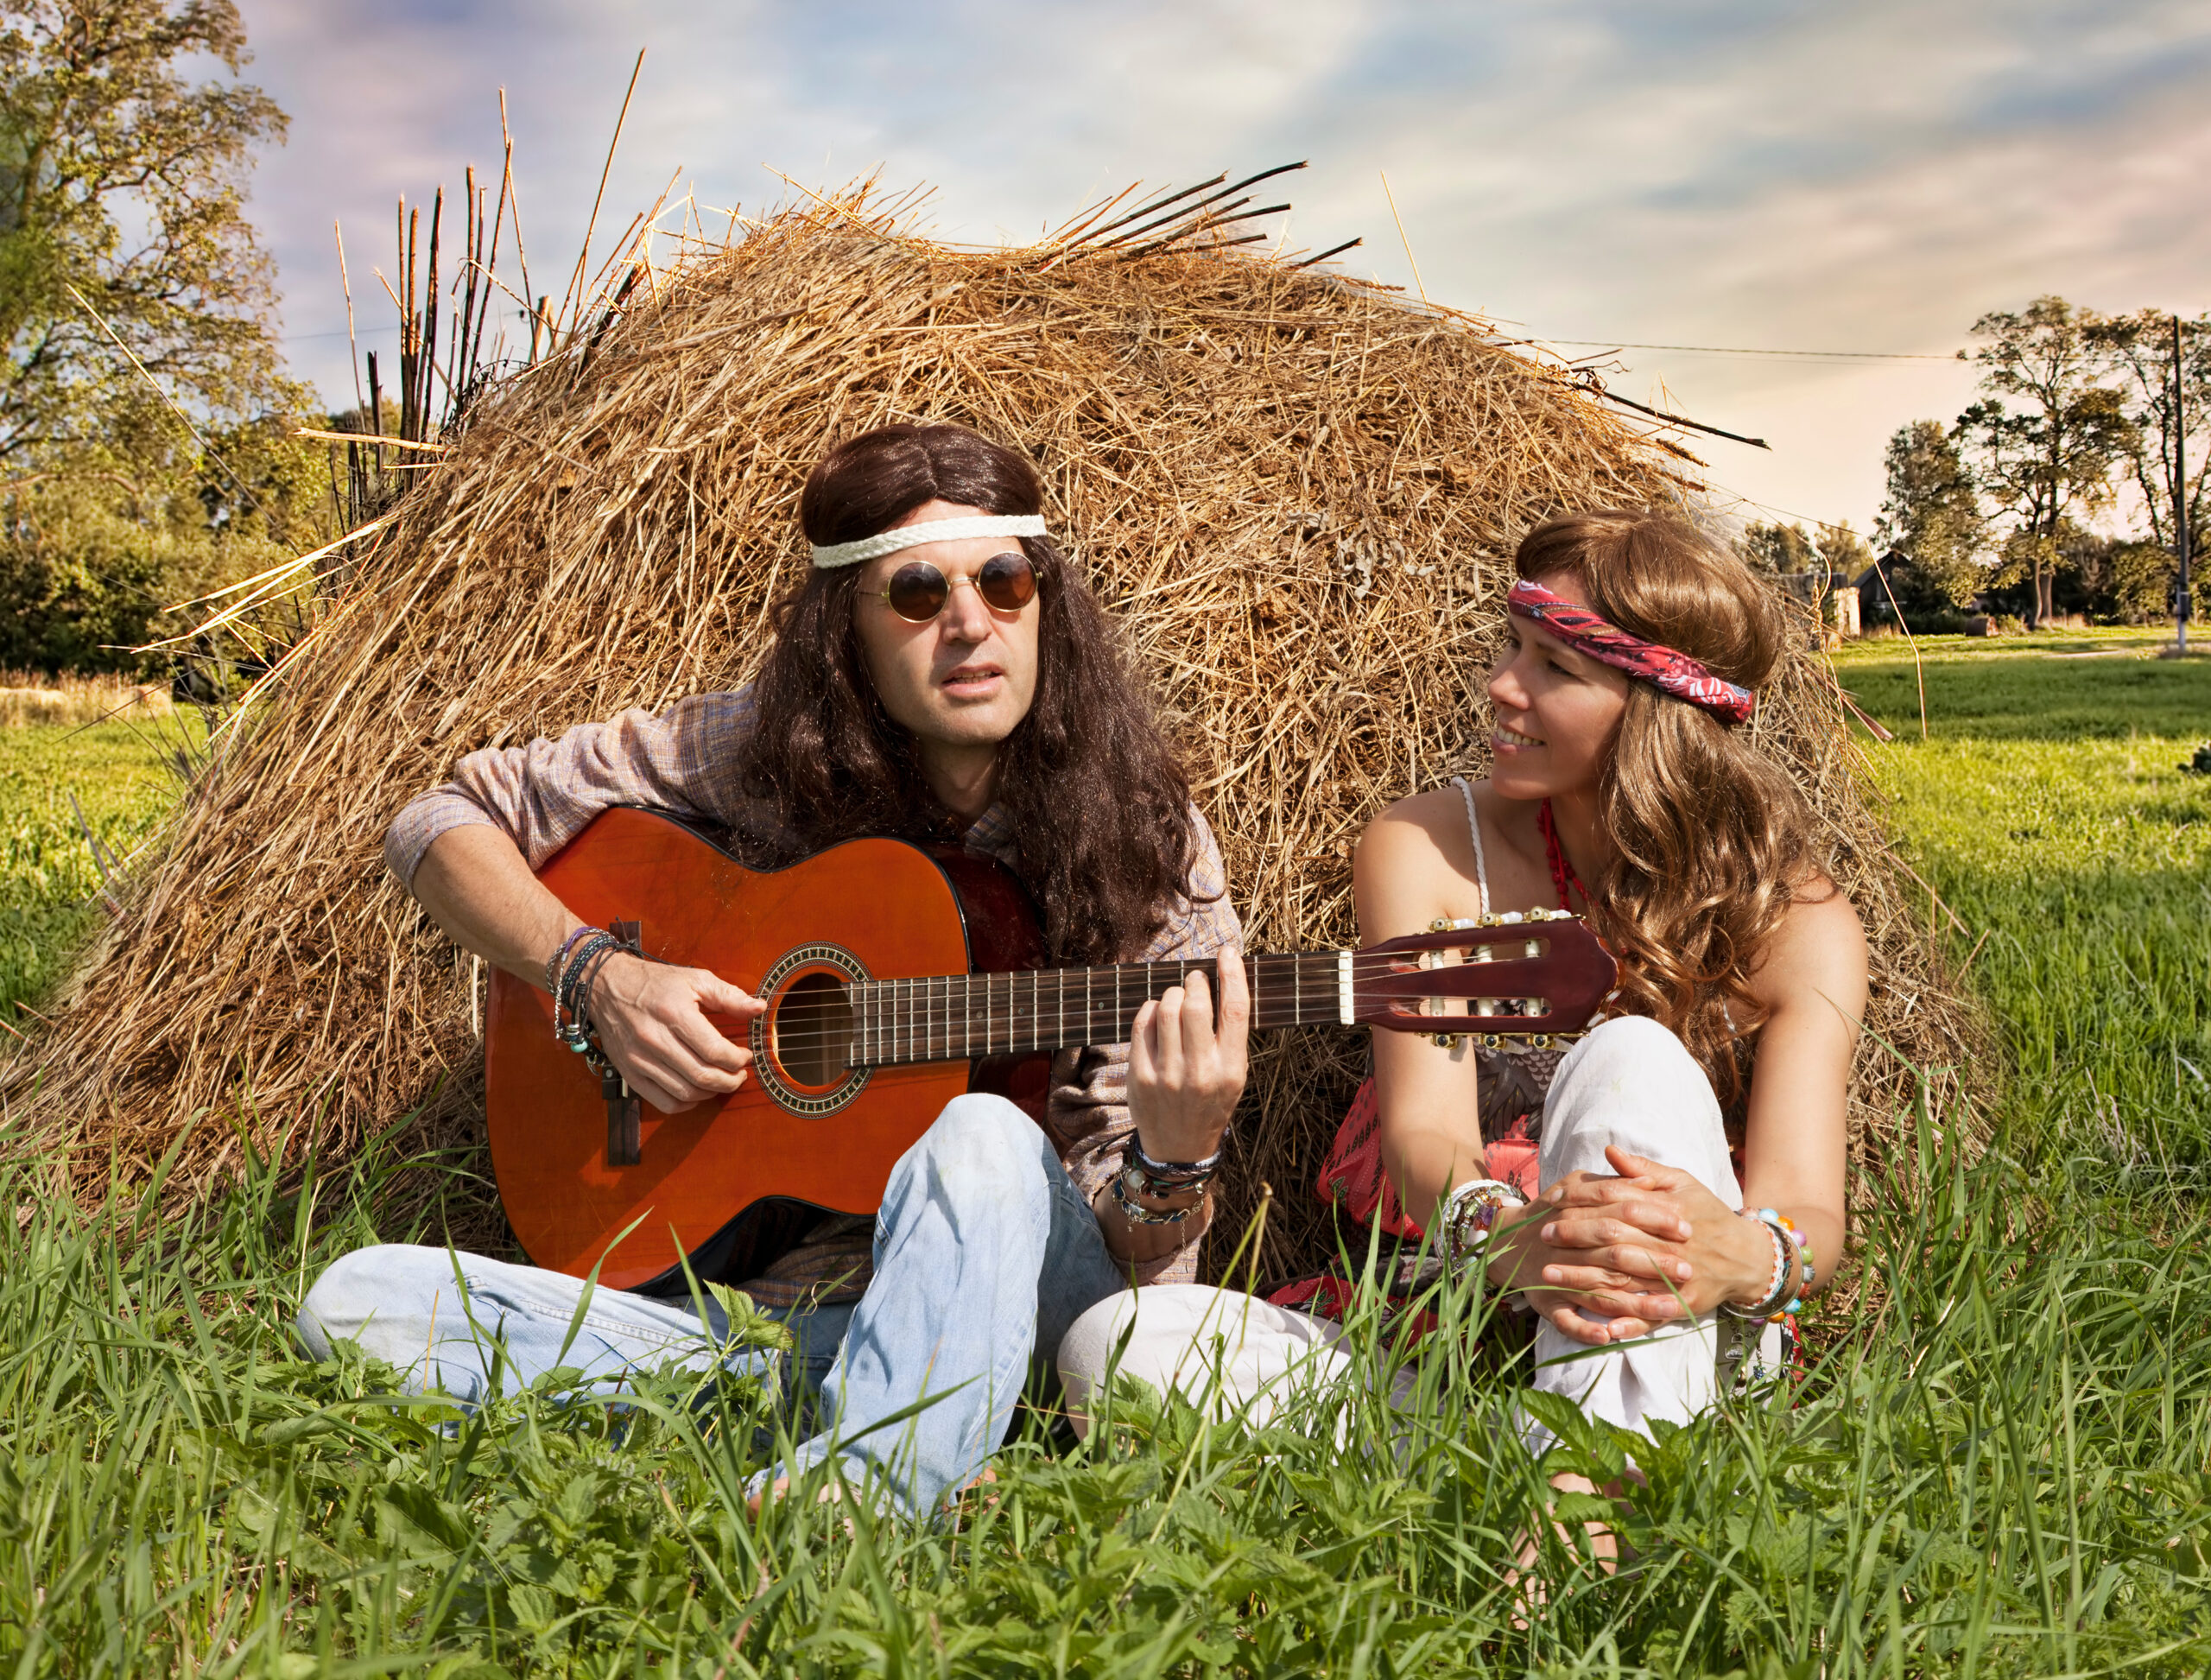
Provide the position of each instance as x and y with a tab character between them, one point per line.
50	881
1998	1464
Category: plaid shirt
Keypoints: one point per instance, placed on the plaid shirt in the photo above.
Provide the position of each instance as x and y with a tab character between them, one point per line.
543	794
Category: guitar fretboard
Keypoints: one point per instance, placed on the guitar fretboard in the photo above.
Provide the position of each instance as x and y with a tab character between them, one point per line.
951	1016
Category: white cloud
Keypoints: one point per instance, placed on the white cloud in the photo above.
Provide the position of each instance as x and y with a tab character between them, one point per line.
1736	172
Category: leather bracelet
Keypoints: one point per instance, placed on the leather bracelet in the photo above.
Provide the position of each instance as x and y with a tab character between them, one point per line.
553	964
570	1025
1138	1213
1139	1156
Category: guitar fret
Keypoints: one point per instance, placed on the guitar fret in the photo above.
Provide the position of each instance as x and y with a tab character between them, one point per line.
972	1017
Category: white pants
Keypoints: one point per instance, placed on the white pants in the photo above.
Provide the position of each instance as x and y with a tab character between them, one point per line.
1629	1083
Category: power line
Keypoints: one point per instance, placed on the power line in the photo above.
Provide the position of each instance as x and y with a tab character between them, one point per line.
1737	350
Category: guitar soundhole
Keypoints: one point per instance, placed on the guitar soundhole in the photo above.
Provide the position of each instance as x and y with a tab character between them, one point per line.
814	1030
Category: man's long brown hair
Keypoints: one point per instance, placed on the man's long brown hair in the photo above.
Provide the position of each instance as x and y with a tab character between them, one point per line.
1098	799
1712	840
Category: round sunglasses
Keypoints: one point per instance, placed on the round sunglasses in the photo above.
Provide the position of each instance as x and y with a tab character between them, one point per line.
917	590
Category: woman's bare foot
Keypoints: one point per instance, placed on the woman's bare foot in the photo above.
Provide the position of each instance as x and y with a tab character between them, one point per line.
1526	1588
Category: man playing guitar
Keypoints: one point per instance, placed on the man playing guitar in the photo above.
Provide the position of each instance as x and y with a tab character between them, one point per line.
942	674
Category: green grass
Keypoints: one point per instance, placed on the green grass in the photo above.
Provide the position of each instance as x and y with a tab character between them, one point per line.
2049	806
2004	1470
49	883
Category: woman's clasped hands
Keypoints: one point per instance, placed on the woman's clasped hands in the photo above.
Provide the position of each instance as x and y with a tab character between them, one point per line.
1610	1257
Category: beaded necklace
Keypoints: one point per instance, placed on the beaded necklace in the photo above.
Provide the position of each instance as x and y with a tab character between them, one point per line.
1562	875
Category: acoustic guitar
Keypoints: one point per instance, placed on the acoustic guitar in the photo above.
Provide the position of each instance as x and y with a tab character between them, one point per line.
897	978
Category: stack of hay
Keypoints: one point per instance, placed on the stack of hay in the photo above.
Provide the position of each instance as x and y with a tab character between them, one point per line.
1299	494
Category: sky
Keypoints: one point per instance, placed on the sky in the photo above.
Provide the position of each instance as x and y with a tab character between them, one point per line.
1746	175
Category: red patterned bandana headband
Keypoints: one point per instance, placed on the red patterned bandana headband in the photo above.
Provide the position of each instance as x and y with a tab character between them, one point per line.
1587	633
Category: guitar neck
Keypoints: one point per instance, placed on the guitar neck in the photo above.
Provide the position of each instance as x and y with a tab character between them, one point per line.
950	1016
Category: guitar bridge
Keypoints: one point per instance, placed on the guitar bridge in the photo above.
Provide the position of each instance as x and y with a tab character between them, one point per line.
623	1146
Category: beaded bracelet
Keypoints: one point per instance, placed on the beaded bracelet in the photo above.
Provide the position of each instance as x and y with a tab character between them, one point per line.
1470	1215
1803	1239
1138	1213
1770	1305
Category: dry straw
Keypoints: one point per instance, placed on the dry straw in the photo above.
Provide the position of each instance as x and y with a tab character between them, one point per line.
1297	493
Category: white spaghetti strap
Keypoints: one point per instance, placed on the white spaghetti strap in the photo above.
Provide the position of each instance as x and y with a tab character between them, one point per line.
1475	828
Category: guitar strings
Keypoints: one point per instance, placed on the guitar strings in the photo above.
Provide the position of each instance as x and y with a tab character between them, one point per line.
802	1023
1277	967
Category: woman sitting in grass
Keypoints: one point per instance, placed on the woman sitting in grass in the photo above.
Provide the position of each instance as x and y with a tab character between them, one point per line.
1599	1186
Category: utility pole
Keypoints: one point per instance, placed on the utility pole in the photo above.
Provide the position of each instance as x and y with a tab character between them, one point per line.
2180	492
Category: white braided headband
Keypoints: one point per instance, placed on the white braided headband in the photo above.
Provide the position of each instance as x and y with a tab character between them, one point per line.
929	530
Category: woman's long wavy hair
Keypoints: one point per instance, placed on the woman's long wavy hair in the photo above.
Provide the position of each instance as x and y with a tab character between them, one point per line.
1713	841
1098	802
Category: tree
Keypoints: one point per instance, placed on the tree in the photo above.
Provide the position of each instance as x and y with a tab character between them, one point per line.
2052	456
1841	552
123	182
1776	548
121	219
2139	351
1929	512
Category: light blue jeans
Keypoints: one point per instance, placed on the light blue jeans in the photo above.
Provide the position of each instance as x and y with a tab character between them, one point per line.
985	1254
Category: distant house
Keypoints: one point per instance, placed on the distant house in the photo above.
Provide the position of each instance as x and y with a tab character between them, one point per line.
1876	585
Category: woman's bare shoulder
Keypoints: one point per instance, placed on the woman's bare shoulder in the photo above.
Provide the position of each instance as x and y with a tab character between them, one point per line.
1439	811
1416	860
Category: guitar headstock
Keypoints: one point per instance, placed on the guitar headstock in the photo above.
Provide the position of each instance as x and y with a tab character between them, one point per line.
1535	973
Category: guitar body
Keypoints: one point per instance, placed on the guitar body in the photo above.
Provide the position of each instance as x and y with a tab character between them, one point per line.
798	1132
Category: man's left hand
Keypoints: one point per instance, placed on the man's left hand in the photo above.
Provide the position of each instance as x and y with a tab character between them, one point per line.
1186	1072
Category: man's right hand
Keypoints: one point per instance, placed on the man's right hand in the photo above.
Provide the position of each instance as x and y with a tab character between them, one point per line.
652	1020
